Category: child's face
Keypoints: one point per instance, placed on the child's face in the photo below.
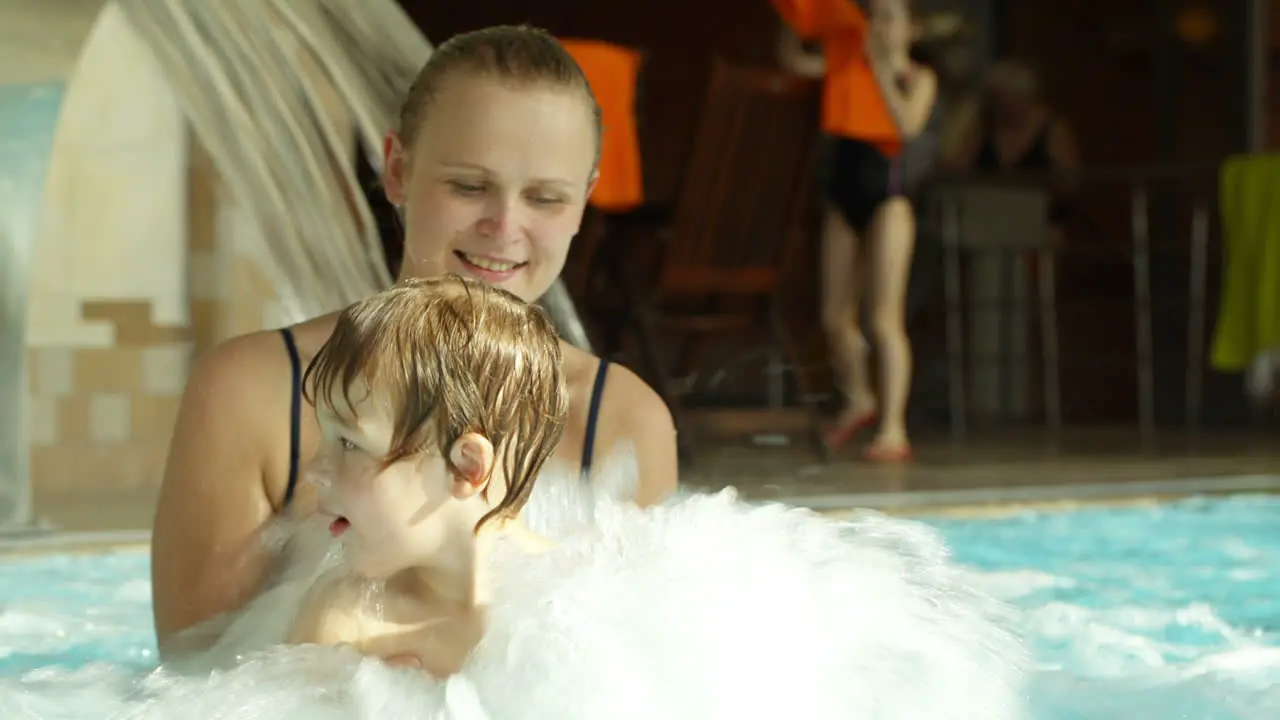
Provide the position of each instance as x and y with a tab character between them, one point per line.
416	512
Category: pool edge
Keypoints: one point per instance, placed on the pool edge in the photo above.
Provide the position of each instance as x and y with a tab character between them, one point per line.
44	540
978	501
973	502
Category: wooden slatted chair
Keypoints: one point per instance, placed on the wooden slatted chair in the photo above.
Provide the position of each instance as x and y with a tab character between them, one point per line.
737	224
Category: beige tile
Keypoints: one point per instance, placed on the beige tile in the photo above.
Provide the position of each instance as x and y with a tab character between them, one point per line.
73	420
205	326
133	323
117	369
202	199
147	468
63	467
89	469
76	467
153	417
42	420
52	372
202	275
84	511
54	319
164	368
109	418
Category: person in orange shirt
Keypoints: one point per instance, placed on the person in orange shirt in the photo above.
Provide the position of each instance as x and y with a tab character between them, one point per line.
869	227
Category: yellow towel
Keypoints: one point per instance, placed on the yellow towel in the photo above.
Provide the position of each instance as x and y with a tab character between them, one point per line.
1249	315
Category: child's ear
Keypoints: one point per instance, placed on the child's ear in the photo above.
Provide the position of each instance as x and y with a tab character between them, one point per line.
472	459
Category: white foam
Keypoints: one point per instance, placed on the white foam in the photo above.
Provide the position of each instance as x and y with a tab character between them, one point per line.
703	609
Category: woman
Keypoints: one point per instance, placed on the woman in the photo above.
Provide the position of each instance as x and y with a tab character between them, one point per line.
439	403
869	230
491	167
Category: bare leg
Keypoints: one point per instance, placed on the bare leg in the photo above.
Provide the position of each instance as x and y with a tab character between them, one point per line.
841	288
892	244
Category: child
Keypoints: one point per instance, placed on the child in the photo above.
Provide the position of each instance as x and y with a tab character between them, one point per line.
438	401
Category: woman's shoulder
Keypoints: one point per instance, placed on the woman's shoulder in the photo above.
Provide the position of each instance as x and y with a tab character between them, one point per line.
632	416
240	366
235	381
626	401
245	362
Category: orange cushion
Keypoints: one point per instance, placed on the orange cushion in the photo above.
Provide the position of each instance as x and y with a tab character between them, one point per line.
612	72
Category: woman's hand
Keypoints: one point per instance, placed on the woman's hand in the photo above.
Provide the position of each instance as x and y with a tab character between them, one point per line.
404	660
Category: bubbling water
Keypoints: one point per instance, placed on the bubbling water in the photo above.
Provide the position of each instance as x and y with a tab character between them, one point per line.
703	609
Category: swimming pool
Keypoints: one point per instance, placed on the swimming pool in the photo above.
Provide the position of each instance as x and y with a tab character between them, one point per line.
1149	611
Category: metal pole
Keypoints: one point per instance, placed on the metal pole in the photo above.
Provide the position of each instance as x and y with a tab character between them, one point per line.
1196	319
1049	339
1143	340
559	304
955	322
16	254
1258	41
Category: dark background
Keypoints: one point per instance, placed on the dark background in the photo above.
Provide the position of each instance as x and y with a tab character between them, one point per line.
1135	90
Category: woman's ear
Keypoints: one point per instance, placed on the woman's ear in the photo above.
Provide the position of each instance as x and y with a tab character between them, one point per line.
395	169
471	457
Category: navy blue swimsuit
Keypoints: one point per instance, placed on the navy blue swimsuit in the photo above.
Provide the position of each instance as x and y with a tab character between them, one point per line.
295	416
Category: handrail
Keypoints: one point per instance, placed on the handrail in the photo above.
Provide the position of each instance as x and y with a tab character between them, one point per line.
1016	178
1139	179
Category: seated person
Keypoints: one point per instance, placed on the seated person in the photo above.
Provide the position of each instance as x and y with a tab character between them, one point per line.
1010	128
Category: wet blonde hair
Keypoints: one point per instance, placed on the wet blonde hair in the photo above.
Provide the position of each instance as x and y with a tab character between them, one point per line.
451	356
521	55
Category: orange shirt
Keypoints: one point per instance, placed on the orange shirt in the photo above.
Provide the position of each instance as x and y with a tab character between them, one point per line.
612	72
853	104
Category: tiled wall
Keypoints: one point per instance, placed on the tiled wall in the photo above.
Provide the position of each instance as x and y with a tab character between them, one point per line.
133	272
143	261
107	333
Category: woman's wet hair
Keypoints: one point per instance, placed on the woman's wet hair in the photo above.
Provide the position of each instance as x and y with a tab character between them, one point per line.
520	55
451	356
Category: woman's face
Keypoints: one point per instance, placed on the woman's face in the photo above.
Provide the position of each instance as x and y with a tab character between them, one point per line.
892	21
495	184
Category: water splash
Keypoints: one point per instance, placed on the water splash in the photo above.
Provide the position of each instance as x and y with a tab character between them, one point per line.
703	609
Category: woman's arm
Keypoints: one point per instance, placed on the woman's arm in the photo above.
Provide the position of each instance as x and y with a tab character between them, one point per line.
911	105
206	551
793	56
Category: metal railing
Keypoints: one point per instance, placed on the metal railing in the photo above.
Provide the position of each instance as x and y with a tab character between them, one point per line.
951	193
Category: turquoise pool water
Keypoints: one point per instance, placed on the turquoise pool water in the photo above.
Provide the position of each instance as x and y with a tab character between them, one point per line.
1163	611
